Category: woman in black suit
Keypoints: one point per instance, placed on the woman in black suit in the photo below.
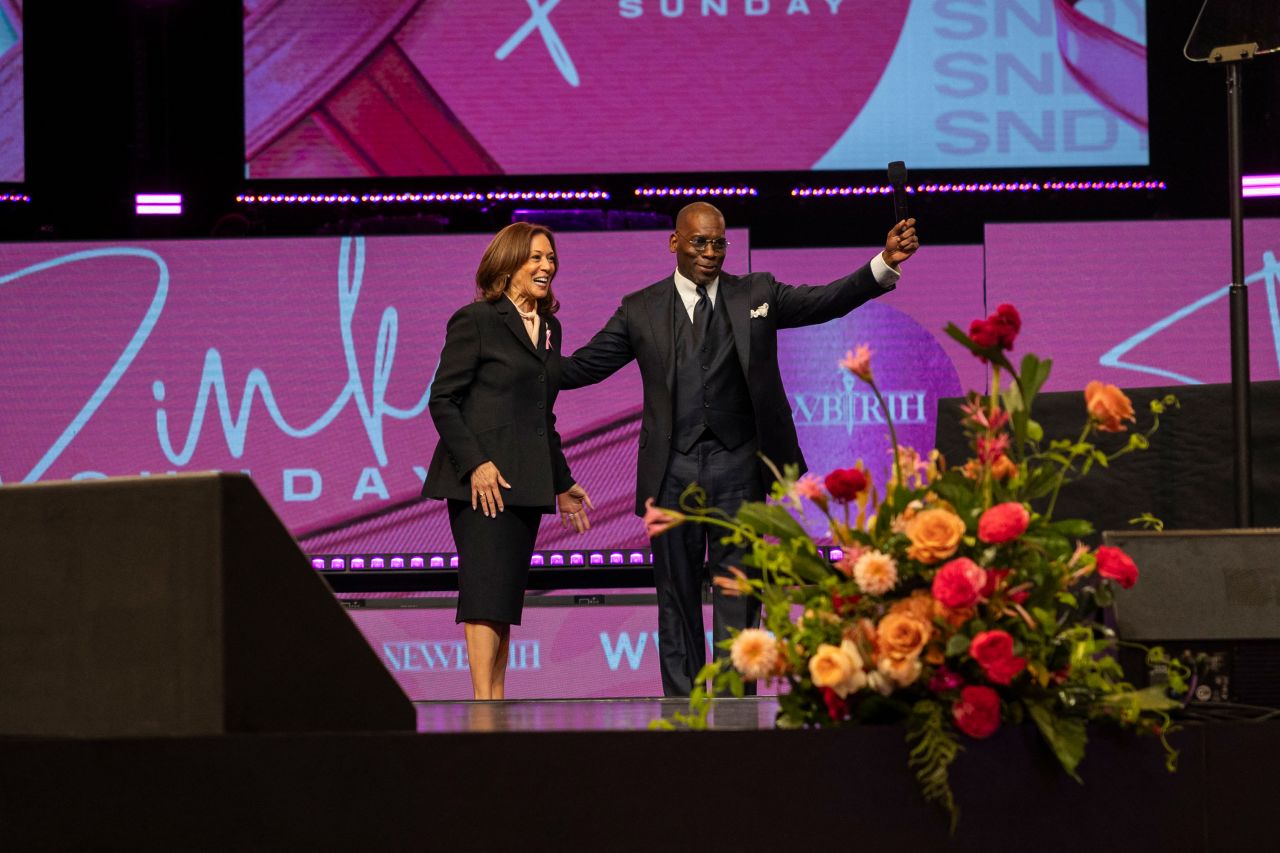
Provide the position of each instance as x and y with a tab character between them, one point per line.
499	463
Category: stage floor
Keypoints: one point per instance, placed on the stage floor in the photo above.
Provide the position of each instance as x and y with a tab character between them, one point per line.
586	715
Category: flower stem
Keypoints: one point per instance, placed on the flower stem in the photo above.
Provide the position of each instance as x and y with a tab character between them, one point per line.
1066	466
893	435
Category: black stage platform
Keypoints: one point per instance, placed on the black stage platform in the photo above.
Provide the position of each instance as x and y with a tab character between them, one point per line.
583	775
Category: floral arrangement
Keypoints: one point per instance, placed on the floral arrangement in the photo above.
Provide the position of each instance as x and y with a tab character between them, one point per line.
955	604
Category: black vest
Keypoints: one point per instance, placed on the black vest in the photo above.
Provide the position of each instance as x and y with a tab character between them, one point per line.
711	393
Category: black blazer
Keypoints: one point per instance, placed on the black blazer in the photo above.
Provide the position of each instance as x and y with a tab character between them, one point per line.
492	399
642	329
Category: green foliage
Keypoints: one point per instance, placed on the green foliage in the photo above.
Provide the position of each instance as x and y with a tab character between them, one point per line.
936	746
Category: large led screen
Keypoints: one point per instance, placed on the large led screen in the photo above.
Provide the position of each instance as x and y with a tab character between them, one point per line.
12	140
476	87
307	363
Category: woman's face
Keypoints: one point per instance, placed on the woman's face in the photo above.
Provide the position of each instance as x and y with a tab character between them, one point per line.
531	282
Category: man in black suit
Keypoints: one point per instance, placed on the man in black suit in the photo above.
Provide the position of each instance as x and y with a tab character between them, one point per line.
706	343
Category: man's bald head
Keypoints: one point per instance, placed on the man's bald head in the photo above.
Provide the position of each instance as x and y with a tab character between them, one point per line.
697	209
699	223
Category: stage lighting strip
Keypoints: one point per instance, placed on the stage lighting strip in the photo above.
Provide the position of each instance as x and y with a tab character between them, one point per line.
982	187
1260	186
422	198
446	560
704	190
19	198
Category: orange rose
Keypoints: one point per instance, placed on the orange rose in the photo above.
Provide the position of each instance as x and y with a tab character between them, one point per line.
836	668
934	534
919	605
1107	405
902	636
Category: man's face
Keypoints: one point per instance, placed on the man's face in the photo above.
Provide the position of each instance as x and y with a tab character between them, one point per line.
699	265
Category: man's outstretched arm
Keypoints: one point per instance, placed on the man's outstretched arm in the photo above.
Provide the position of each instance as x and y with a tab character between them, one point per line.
601	357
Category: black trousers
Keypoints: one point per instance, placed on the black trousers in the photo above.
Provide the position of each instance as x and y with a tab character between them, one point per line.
686	557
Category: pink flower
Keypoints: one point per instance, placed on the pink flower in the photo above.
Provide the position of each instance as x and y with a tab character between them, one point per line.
959	583
993	650
977	713
809	487
859	363
992	447
1118	566
944	679
1003	523
657	520
980	416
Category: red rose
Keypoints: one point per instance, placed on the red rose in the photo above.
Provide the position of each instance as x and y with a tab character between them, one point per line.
837	708
840	602
1003	523
1007	323
959	583
995	577
845	484
977	712
1117	565
984	334
994	651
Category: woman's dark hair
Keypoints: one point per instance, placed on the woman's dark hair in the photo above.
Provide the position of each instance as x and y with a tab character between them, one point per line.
508	251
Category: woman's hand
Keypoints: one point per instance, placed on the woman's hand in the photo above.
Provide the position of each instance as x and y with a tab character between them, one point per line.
485	491
573	506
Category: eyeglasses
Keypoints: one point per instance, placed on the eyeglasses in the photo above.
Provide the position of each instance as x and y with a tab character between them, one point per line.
700	243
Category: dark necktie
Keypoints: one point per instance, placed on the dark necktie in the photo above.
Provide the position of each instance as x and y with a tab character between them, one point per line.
701	316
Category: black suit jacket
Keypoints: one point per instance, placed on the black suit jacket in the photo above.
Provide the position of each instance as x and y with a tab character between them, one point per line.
492	399
642	328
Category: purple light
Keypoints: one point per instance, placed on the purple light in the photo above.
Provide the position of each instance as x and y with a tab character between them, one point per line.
425	198
557	559
317	563
616	559
576	559
596	559
437	562
417	563
998	186
149	204
338	564
537	560
15	197
397	562
836	554
357	563
453	561
637	557
660	192
377	563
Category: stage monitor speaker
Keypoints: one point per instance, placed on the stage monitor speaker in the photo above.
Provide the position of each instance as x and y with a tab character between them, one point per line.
173	605
1211	594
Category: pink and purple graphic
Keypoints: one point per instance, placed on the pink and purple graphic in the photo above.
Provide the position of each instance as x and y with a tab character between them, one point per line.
474	87
1136	304
12	123
557	652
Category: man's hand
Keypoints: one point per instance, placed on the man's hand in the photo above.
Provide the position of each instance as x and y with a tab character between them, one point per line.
573	506
901	243
485	491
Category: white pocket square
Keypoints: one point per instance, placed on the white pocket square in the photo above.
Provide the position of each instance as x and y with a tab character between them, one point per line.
762	311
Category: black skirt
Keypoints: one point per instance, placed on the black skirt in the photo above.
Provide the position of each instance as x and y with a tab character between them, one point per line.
493	560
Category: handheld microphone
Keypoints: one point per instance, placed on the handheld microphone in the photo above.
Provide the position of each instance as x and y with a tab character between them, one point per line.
898	180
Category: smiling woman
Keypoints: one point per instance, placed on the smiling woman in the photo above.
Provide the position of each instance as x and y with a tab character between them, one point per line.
499	462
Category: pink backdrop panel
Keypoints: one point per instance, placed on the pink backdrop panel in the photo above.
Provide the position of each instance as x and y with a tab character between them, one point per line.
1135	304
